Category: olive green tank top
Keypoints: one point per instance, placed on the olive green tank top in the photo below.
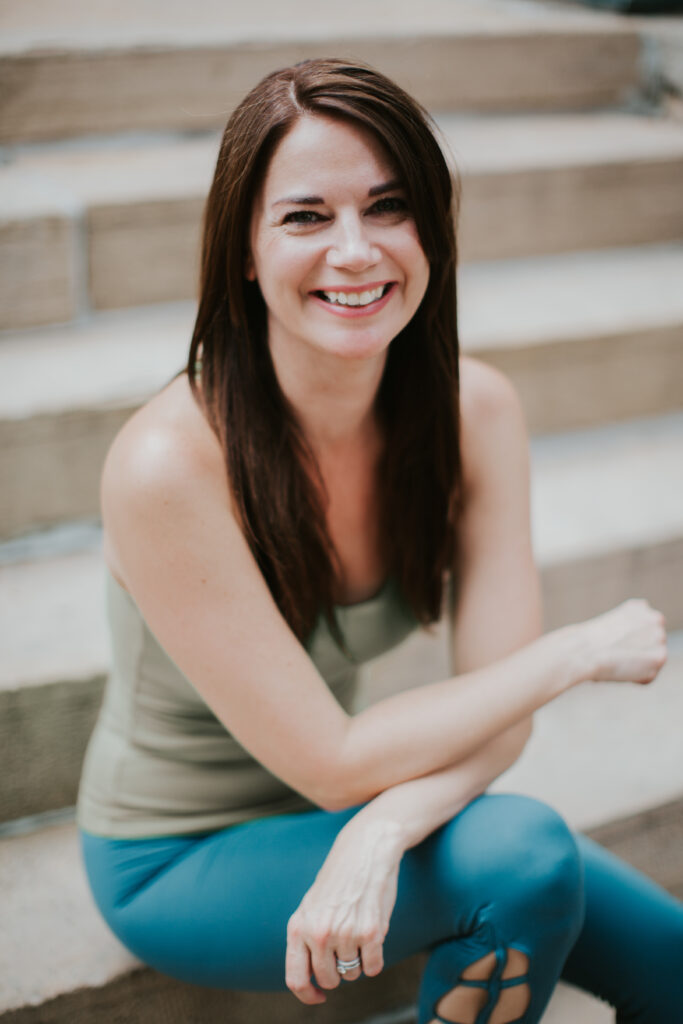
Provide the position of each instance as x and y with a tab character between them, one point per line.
159	762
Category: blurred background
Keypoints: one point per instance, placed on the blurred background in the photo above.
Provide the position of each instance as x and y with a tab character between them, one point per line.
566	123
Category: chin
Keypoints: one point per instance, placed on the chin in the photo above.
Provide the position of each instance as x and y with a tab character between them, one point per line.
361	348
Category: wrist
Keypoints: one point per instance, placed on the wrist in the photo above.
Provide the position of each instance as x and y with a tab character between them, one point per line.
576	663
381	833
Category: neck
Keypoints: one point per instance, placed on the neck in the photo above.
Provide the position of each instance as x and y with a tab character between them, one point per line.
333	398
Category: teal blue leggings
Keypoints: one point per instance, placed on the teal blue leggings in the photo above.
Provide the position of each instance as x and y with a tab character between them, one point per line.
504	873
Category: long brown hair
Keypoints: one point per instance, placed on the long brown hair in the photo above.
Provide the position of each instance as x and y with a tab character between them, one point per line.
274	477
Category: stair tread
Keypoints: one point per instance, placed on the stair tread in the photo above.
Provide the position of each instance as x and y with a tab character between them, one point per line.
119	357
607	488
125	356
41	875
569	295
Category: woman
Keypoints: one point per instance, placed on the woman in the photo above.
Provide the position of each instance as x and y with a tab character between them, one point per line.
294	503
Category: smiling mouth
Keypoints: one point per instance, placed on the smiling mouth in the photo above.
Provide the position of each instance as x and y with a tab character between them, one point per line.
365	298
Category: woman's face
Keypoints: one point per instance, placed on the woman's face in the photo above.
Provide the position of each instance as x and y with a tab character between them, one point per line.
334	246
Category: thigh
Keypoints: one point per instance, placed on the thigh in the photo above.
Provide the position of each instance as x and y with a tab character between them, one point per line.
630	949
212	909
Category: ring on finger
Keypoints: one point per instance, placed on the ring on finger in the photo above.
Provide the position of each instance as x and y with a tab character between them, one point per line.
345	966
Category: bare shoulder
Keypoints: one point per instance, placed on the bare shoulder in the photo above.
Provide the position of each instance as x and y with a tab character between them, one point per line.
164	458
485	393
493	427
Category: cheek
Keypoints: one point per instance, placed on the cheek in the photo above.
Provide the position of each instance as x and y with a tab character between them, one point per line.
418	268
411	255
282	267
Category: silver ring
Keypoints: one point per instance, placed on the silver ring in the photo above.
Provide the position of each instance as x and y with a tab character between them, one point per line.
344	966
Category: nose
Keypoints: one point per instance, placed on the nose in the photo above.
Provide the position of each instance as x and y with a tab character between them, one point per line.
352	248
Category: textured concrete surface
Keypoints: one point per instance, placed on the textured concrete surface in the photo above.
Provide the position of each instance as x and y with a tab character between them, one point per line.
57	424
77	24
154	66
607	488
37	270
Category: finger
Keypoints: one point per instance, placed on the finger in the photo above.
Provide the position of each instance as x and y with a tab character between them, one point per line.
298	972
347	951
372	954
324	965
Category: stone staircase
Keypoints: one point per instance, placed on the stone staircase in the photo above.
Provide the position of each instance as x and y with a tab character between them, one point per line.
564	125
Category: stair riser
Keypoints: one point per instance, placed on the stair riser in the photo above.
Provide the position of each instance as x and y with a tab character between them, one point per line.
52	95
43	732
525	213
580	588
50	466
37	271
566	385
144	252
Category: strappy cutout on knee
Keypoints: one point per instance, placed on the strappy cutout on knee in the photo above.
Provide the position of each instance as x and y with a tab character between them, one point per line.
492	990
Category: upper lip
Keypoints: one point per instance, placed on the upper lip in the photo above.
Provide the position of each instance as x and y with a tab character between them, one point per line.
350	289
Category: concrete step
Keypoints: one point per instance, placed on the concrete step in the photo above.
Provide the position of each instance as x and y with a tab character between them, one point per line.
109	226
58	961
131	66
587	338
608	524
65	394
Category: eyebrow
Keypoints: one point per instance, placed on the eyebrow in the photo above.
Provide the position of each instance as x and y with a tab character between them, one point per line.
376	190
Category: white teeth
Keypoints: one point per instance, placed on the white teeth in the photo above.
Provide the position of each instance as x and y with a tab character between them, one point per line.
355	298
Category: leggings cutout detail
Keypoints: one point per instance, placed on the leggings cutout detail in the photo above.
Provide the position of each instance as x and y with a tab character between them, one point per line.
491	995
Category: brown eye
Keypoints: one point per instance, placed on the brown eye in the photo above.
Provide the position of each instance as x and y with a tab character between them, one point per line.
389	204
302	217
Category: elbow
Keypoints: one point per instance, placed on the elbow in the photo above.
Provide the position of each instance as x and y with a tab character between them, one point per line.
337	790
337	796
341	778
332	802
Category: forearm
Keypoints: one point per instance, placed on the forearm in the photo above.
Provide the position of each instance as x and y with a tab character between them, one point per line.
444	723
404	815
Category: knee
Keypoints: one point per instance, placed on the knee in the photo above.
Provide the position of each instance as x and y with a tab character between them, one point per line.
532	857
543	851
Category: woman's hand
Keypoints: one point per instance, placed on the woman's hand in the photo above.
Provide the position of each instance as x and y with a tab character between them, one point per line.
346	911
626	644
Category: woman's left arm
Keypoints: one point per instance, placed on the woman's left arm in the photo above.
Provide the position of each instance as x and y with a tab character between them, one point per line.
497	610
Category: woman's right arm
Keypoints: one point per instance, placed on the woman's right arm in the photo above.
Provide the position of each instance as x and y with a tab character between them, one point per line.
192	574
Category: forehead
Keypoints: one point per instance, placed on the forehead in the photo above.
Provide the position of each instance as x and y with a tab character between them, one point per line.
320	153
